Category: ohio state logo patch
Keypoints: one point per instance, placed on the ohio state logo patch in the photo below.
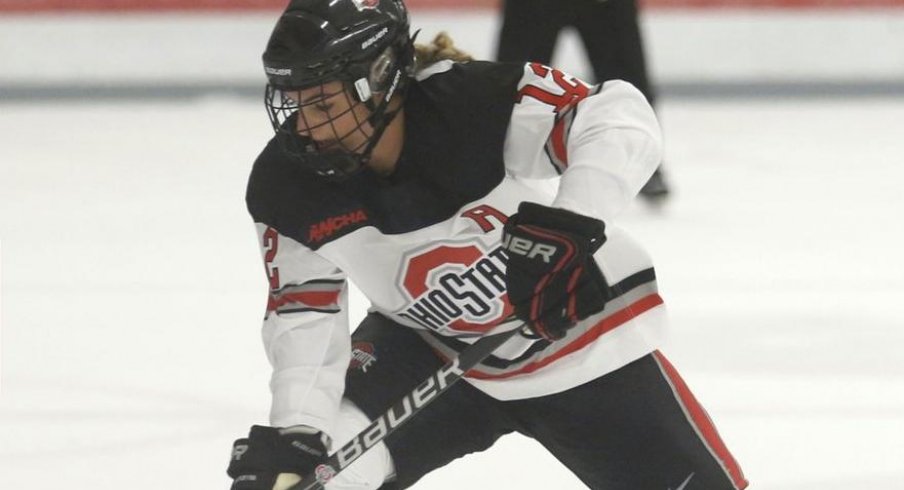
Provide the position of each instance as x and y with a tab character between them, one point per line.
362	356
456	287
324	473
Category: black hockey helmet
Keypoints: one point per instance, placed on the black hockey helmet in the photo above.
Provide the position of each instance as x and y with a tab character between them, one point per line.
366	45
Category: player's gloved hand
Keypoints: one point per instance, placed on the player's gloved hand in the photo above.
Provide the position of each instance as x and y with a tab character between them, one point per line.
258	460
552	279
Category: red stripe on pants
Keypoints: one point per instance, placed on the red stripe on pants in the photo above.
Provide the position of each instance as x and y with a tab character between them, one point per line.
701	422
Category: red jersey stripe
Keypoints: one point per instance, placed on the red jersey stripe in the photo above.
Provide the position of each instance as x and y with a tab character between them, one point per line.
605	325
309	298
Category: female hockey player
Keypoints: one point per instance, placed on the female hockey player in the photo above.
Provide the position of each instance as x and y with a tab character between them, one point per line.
411	177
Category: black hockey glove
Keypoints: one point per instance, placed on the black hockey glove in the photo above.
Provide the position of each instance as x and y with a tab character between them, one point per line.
552	279
258	459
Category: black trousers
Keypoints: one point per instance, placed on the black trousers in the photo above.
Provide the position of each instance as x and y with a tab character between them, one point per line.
637	428
609	30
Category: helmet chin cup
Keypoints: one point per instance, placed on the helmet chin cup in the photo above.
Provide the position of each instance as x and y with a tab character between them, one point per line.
340	165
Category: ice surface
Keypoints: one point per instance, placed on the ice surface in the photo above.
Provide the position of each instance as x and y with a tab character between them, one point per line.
132	293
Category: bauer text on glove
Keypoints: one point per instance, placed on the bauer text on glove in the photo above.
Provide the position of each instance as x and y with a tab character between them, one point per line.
552	279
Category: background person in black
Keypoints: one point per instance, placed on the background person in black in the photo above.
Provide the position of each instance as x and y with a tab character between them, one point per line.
406	175
612	40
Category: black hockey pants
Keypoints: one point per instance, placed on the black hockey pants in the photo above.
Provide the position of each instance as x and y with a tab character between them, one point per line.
638	428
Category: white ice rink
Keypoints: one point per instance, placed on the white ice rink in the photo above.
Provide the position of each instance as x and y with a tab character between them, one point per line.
132	293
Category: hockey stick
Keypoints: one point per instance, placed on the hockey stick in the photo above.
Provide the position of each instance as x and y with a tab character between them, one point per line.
404	409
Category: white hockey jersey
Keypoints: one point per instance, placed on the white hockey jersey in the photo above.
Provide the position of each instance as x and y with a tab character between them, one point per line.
424	244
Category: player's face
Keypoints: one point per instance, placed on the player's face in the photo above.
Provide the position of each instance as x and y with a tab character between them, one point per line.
332	117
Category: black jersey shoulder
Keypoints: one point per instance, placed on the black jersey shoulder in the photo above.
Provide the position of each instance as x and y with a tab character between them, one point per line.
455	126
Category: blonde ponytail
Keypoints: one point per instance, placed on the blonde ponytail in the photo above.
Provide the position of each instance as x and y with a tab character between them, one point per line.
441	48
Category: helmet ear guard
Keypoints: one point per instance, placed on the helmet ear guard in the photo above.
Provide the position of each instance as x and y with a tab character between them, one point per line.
378	74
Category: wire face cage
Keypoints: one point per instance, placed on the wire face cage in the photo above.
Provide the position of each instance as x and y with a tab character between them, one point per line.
327	127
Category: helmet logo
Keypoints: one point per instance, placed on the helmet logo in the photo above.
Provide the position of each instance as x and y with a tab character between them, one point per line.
376	37
366	4
278	71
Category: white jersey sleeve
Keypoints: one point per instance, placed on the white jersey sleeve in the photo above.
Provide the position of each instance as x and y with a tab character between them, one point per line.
305	332
603	140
